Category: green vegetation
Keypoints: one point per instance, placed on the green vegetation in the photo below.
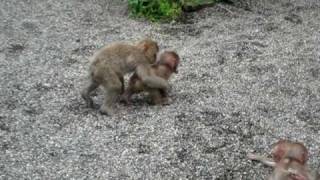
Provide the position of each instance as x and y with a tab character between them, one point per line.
156	10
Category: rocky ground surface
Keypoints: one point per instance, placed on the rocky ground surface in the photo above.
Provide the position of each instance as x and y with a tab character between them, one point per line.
250	75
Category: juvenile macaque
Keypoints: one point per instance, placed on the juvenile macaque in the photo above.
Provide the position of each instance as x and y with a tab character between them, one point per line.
287	149
164	67
289	162
112	62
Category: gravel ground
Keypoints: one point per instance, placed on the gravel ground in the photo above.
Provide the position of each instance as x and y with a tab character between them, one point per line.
249	76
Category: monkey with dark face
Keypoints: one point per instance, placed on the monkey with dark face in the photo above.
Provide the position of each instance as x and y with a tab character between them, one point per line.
112	62
289	162
163	68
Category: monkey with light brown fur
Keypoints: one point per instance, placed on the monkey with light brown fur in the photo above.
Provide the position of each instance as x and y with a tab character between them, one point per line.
164	67
112	62
289	161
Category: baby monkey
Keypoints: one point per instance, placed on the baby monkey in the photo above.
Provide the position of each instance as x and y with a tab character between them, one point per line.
289	161
166	65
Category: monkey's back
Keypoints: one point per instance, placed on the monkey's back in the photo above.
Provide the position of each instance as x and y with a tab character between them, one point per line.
119	57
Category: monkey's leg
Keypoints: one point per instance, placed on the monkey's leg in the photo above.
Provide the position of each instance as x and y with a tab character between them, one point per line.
165	98
134	86
126	96
122	84
85	93
264	160
163	93
156	97
112	85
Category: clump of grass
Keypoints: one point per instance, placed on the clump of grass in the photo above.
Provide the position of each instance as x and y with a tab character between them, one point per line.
156	10
164	10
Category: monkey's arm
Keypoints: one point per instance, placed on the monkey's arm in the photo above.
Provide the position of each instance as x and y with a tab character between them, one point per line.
296	175
264	160
150	80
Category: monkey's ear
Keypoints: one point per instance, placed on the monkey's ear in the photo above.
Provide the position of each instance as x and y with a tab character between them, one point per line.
278	152
177	62
175	69
144	46
305	157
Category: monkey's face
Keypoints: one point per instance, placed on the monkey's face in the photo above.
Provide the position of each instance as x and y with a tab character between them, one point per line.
150	49
170	59
174	63
287	149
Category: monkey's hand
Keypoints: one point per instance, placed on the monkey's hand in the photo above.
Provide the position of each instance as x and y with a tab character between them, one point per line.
149	80
252	156
264	160
294	174
298	177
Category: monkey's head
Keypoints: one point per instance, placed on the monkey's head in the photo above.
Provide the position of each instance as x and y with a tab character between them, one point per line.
171	59
292	150
150	49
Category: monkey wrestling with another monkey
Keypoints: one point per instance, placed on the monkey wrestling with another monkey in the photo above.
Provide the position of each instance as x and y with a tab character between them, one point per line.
164	67
289	162
112	62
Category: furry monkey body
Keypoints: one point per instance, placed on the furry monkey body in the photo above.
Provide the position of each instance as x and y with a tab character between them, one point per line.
112	62
289	162
164	67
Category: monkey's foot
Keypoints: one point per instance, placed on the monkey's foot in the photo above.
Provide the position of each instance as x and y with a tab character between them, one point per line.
90	104
106	110
124	99
252	156
166	101
87	98
161	102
